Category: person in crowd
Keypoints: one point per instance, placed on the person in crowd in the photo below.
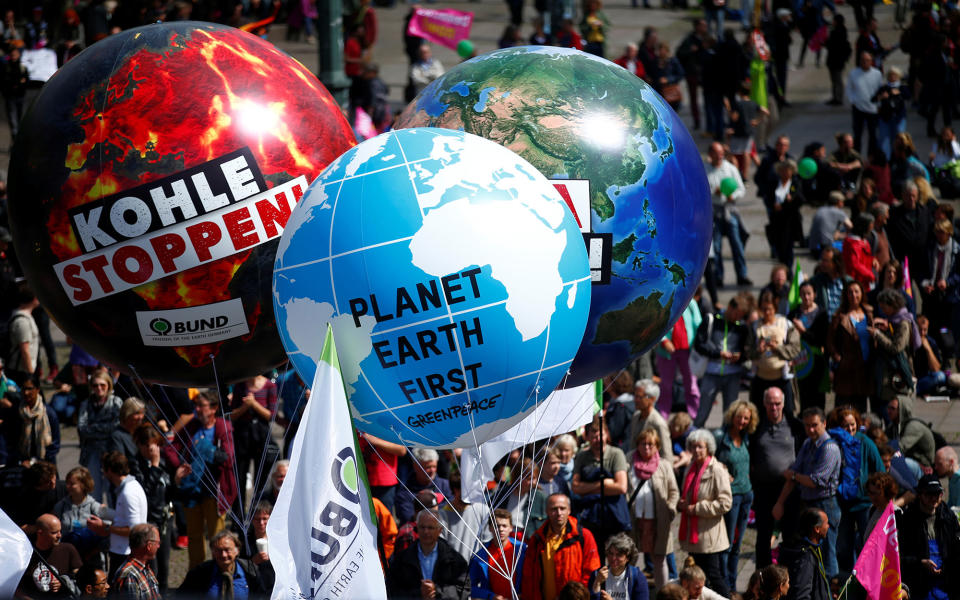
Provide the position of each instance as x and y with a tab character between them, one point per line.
39	428
568	36
766	176
942	162
565	447
24	338
858	260
745	115
74	510
929	536
810	320
14	79
784	206
653	488
830	224
630	60
779	34
725	342
896	338
726	217
465	523
600	482
407	532
928	363
879	242
861	458
645	396
594	27
881	489
33	492
425	69
666	76
277	475
430	567
909	229
733	451
947	468
202	457
914	437
681	426
380	458
773	449
254	543
779	286
867	190
704	500
386	533
849	346
672	354
891	278
52	564
905	168
829	281
130	509
252	410
938	93
551	482
135	579
619	578
809	579
690	54
99	416
559	552
868	41
846	161
693	581
131	415
424	477
777	343
863	83
773	583
817	471
226	575
155	478
891	110
619	405
92	582
522	497
672	591
838	53
496	572
940	289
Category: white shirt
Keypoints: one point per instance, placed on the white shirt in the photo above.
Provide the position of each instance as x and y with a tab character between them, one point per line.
942	158
861	87
716	175
131	510
616	586
705	594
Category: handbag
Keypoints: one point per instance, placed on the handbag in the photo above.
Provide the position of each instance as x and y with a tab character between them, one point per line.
698	362
672	94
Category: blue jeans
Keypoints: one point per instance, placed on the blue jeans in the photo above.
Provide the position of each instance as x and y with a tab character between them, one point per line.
930	381
729	228
735	520
851	536
829	545
886	131
710	386
714	18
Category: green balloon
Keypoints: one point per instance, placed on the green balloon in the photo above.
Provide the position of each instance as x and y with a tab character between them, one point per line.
728	186
807	168
465	48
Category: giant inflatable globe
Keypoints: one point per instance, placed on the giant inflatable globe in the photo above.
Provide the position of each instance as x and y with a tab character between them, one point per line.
619	155
454	278
149	186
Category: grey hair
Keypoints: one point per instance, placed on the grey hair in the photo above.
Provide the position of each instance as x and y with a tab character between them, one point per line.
280	463
565	440
224	533
649	388
910	186
623	545
425	513
131	406
879	208
140	535
702	435
424	455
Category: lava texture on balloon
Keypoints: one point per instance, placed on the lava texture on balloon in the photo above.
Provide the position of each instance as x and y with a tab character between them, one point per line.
453	276
149	185
622	159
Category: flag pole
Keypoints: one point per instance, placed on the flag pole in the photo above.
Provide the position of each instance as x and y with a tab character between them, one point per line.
843	590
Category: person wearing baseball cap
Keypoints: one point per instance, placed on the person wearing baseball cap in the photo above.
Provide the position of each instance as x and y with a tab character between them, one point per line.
929	535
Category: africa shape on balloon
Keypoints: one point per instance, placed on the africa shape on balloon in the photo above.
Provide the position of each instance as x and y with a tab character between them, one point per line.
458	308
150	184
619	155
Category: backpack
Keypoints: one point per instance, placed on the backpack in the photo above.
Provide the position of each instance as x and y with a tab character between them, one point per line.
6	346
938	440
849	488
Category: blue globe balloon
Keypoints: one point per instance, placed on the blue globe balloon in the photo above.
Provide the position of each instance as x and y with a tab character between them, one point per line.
455	279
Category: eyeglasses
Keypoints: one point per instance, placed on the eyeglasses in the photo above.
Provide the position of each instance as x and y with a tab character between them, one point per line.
100	385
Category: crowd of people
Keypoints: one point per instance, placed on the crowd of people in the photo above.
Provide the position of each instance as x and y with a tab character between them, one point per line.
644	500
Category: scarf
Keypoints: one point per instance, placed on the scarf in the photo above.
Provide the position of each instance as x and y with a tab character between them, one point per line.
36	430
691	487
644	469
904	314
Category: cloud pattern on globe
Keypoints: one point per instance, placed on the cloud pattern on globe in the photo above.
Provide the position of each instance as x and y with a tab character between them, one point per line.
454	277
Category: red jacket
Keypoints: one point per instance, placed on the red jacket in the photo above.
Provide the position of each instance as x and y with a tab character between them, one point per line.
575	559
858	261
181	450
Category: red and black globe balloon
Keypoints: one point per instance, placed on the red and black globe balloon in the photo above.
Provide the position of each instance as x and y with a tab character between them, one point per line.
149	185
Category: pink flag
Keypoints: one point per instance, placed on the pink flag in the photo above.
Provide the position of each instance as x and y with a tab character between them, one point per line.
443	26
907	284
878	566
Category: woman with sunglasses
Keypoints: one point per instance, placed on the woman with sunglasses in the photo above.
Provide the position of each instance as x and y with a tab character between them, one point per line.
99	416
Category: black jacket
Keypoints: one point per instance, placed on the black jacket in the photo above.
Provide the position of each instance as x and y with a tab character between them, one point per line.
199	579
709	340
450	574
912	533
807	578
155	482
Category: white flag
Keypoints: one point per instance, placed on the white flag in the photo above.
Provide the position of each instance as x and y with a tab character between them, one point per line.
562	411
322	534
15	553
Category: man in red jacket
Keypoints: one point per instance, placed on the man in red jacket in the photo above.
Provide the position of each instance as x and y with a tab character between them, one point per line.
558	552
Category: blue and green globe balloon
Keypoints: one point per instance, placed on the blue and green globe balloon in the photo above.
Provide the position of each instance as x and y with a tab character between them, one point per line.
454	277
622	158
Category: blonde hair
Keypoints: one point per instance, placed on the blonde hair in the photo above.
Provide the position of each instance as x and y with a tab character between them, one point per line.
649	433
131	406
736	407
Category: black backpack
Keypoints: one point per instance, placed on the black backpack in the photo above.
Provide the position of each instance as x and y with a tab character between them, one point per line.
6	346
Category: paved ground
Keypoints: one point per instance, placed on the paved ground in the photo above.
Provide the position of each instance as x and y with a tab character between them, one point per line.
808	120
